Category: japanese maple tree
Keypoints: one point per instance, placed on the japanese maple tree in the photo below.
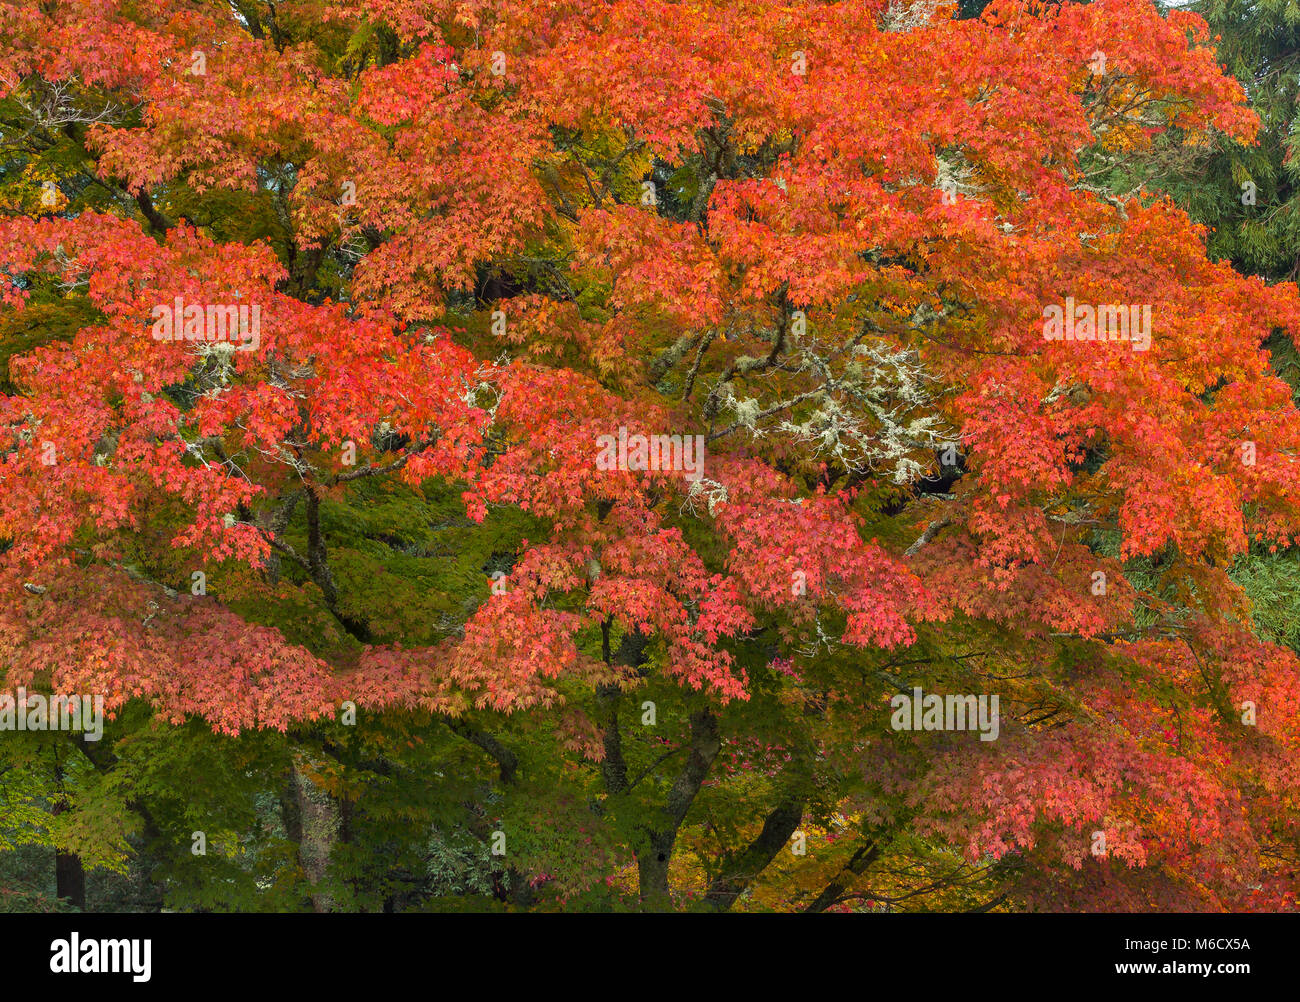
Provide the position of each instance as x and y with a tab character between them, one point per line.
817	243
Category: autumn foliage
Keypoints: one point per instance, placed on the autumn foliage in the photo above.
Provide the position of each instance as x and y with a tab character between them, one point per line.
482	235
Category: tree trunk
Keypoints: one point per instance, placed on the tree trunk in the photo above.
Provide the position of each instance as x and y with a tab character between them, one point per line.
657	851
652	871
70	879
739	870
319	824
69	875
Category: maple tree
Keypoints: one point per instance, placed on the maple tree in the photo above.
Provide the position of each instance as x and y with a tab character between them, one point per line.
362	580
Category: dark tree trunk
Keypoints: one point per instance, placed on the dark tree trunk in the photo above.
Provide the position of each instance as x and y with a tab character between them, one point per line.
739	870
657	851
70	879
69	876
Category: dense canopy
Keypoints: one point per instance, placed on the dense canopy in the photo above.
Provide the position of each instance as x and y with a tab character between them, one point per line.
510	452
